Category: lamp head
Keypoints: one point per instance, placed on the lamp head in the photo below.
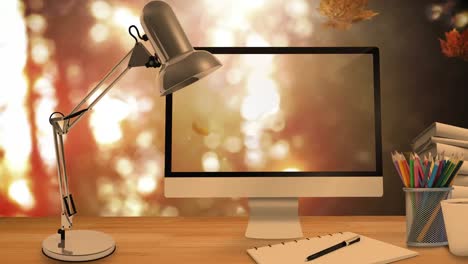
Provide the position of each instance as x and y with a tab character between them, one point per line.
181	64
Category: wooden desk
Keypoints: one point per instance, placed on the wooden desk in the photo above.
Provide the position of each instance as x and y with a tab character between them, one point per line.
193	240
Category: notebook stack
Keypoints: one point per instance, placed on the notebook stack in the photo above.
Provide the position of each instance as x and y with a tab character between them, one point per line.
447	140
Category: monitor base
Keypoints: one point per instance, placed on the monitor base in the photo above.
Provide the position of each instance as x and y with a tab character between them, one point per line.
274	218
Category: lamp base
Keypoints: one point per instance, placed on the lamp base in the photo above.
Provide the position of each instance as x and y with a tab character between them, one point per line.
80	245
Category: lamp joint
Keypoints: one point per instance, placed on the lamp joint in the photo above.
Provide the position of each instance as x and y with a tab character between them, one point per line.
153	62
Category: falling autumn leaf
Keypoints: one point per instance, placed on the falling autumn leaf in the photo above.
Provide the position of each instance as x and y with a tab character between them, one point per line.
455	45
342	14
200	129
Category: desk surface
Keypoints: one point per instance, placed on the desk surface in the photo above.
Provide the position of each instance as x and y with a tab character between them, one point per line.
193	240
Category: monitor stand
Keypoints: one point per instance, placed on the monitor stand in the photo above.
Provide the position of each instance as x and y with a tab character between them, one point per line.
273	218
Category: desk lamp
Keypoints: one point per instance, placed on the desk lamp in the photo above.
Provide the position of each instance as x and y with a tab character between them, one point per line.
180	65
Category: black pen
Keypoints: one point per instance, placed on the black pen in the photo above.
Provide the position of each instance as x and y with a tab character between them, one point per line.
333	248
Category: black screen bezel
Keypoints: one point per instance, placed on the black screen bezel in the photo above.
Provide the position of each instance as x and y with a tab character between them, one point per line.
287	50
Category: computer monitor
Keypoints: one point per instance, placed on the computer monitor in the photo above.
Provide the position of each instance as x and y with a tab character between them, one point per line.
275	124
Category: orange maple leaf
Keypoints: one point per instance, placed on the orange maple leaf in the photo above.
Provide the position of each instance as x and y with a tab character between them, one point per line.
455	45
342	14
199	129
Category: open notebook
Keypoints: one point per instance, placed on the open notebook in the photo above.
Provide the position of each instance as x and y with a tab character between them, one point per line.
368	250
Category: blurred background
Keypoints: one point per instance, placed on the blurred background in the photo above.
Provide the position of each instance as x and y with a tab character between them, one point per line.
53	52
278	112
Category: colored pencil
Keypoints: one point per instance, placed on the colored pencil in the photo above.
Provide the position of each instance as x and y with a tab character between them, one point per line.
416	173
427	173
429	222
434	173
432	165
407	169
439	171
411	167
451	170
404	168
455	165
420	172
443	176
450	181
397	167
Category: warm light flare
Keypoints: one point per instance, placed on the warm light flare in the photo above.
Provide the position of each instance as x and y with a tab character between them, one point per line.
460	20
296	8
291	169
254	158
41	50
37	23
233	144
279	150
131	161
235	7
212	141
20	192
255	40
99	33
222	38
101	9
170	211
210	162
13	96
146	184
106	118
124	167
133	206
258	107
124	17
44	107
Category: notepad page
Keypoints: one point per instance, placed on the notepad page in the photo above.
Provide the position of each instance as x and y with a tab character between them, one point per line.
367	250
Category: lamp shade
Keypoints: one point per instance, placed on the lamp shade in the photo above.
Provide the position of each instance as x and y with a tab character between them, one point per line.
181	64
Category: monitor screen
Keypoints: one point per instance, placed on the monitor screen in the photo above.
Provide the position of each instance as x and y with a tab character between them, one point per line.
284	113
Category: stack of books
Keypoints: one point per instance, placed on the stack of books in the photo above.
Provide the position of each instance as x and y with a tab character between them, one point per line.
447	140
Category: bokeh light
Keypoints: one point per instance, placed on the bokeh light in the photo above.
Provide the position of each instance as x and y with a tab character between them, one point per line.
223	38
14	120
20	192
99	33
461	19
279	150
233	144
210	162
124	17
101	9
146	184
41	50
106	126
115	155
37	23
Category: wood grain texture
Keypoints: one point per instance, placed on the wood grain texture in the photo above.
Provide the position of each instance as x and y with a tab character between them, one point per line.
193	240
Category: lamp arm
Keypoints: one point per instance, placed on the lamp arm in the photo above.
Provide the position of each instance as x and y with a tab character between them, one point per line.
61	124
66	199
76	114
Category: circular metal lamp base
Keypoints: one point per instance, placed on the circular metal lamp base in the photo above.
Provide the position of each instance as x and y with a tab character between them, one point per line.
80	245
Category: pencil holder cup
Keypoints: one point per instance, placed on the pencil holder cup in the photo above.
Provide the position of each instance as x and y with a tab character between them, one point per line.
424	220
